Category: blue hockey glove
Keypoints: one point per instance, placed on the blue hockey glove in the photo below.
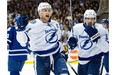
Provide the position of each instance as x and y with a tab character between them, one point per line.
22	22
92	32
72	42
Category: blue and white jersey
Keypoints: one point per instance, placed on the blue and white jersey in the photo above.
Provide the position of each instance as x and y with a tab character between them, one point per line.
15	49
44	37
88	50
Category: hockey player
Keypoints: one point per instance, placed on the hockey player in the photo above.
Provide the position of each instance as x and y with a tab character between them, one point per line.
105	23
44	35
17	54
89	36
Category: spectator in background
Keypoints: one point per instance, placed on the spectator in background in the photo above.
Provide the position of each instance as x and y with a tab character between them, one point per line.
61	8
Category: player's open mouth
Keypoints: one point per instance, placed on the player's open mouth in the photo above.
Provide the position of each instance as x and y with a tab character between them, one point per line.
47	16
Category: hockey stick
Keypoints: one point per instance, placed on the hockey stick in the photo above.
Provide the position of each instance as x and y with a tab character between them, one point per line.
71	22
72	68
69	65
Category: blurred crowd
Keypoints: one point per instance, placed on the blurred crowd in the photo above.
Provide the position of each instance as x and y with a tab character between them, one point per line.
61	12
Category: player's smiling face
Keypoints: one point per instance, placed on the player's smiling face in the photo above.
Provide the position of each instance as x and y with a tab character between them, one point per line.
45	14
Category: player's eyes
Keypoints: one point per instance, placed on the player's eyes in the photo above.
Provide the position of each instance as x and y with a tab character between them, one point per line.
47	10
90	18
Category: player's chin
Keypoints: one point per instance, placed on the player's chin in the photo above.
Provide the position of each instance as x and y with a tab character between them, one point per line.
47	18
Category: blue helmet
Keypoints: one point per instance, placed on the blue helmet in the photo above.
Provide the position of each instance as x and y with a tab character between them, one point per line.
106	21
21	21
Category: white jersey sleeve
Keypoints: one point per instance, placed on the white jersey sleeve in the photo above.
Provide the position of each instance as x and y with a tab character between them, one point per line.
103	41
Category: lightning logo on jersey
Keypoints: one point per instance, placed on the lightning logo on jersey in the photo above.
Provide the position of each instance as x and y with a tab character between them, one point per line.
51	37
86	44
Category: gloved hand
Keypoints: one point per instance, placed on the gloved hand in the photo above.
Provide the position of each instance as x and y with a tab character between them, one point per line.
72	42
22	22
92	32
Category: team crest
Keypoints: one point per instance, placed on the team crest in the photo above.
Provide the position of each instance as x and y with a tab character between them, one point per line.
86	44
51	37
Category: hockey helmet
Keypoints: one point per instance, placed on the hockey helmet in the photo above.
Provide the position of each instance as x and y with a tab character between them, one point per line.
44	5
106	21
89	13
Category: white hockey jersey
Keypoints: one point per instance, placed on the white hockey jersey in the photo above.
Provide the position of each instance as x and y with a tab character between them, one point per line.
88	50
44	38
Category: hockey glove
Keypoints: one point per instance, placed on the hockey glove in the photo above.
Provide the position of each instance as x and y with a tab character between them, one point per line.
22	22
92	32
72	42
